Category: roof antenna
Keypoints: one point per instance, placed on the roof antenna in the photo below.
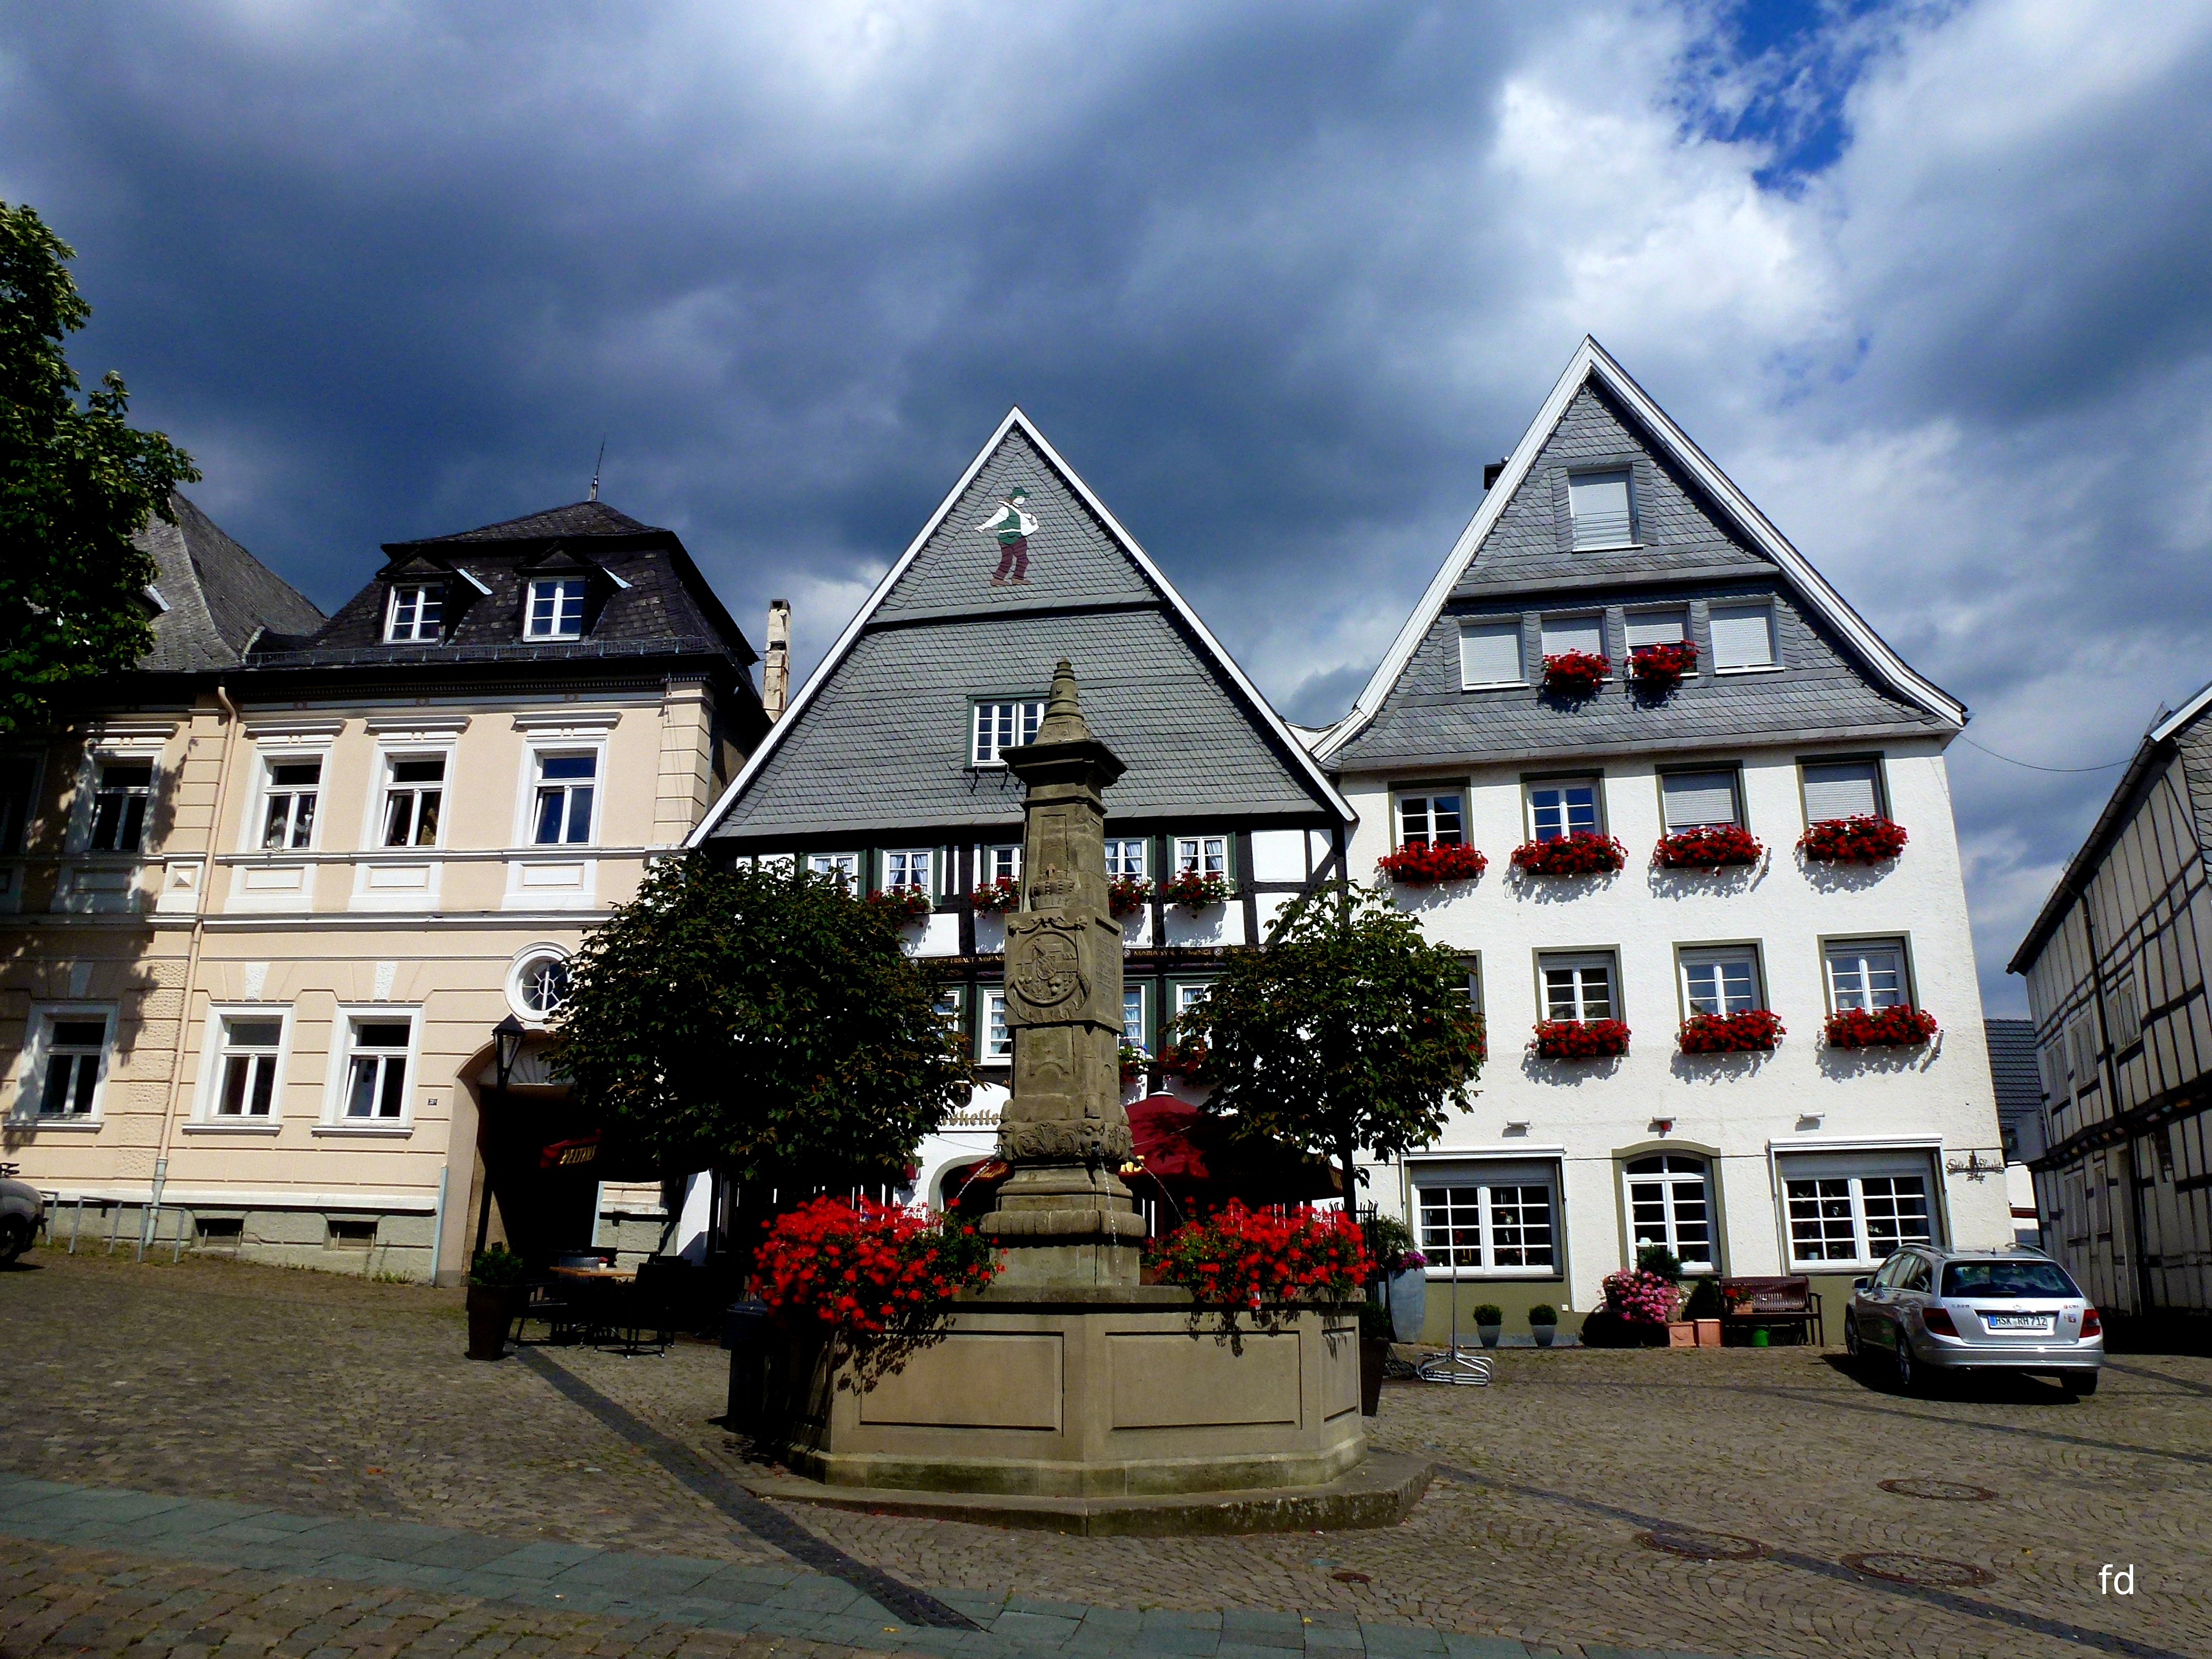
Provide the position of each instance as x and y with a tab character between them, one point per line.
594	495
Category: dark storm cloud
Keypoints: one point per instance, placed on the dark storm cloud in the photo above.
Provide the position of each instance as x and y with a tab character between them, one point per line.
1925	278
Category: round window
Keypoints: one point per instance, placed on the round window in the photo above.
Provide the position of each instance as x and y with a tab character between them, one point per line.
542	986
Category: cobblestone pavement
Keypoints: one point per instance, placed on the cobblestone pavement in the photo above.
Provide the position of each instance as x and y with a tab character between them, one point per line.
334	1397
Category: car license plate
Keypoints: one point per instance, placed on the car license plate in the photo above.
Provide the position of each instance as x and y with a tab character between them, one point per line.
2017	1321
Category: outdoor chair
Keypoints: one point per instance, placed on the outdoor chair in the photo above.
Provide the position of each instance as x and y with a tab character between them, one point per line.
1788	1303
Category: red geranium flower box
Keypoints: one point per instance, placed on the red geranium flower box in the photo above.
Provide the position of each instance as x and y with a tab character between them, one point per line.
1576	673
1753	1031
1580	1039
1658	668
1195	892
1710	847
1860	840
902	905
1183	1059
1126	895
1584	852
1901	1026
1245	1259
868	1269
996	897
1424	865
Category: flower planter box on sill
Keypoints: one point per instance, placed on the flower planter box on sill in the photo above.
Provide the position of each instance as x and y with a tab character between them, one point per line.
1749	1031
1425	865
1860	840
1580	1039
1584	852
995	898
1711	846
1194	892
1655	669
1127	895
1576	673
902	905
1248	1258
1182	1060
1900	1027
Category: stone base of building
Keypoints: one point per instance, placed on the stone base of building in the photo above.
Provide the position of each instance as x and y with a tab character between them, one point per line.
1105	1392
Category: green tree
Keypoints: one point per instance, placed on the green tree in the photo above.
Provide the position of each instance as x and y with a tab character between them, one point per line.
77	483
760	1023
1348	1030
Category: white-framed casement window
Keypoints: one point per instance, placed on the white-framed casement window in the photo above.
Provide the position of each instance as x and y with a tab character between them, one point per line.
1743	636
538	983
1207	855
1127	858
567	787
2081	1054
1721	979
1668	625
1854	1209
993	1041
1866	973
415	613
1473	966
121	789
247	1068
1134	1026
1670	1204
1185	995
414	795
291	784
995	863
912	866
1698	800
2125	999
1603	509
1500	1219
555	610
951	1005
376	1050
1580	985
1842	789
1000	726
1585	633
1564	806
844	866
1490	654
19	782
1432	818
65	1062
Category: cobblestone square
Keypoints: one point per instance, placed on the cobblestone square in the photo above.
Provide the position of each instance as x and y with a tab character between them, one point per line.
332	1476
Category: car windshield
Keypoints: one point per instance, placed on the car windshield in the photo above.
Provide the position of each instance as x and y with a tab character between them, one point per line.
2006	1281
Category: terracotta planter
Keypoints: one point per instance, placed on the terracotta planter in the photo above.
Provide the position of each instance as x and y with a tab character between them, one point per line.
1708	1333
1681	1333
491	1308
1371	1356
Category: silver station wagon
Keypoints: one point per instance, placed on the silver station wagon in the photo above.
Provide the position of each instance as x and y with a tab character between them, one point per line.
1930	1310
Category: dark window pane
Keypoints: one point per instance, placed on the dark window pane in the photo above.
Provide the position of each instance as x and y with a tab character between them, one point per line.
549	802
579	815
255	1033
382	1035
235	1076
569	766
431	770
80	1033
426	820
393	1101
296	774
59	1070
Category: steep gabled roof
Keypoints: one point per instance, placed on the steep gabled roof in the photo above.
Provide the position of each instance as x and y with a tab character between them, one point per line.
1592	364
592	518
213	596
937	630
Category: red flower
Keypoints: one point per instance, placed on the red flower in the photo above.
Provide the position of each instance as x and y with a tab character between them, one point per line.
1248	1258
1860	840
1900	1026
1659	668
1422	864
1576	673
902	905
1580	1039
1753	1030
993	897
1584	853
864	1267
1707	848
1195	891
1128	894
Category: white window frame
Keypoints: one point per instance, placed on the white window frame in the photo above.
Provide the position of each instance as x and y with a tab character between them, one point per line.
1581	961
1143	991
851	868
1427	795
1183	995
1831	948
990	999
522	970
1201	842
933	883
983	752
266	787
559	597
1472	962
1499	626
214	1054
1545	624
1811	763
533	780
1679	615
1688	958
1597	783
990	858
415	634
1487	1178
1773	662
1601	539
1116	861
345	1021
1669	1198
1735	775
1856	1168
38	1050
95	763
387	758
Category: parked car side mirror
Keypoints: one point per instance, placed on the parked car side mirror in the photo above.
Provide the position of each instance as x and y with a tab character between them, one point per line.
1859	1284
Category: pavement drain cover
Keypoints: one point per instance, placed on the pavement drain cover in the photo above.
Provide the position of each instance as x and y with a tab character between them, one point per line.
1352	1578
1950	1491
1701	1546
1903	1567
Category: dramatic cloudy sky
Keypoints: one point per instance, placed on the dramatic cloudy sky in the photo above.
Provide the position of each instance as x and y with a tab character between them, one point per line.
1929	281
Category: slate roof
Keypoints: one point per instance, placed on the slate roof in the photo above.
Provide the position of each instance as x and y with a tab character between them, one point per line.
218	595
648	598
879	736
2012	1068
1699	538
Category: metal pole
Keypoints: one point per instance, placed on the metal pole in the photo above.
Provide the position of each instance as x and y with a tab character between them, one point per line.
438	1221
149	1218
77	1222
176	1249
114	1224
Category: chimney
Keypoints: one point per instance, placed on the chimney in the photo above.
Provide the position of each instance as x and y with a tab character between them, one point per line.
776	668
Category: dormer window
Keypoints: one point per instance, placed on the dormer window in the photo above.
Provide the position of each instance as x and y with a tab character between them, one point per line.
555	611
1602	509
1003	726
417	614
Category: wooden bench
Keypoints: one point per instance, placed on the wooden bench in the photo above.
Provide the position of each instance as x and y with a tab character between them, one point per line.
1789	1302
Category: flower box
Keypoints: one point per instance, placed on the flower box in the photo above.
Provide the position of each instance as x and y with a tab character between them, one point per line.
1127	895
868	1269
1655	669
1133	1061
1195	892
902	905
1901	1026
1752	1031
1425	864
1584	852
1710	847
1580	1039
1182	1060
996	897
1245	1259
1860	840
1576	673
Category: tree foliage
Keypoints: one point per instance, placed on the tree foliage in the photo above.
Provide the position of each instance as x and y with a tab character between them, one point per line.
761	1023
77	483
1348	1030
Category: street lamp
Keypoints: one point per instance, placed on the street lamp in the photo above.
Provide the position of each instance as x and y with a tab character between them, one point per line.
507	1047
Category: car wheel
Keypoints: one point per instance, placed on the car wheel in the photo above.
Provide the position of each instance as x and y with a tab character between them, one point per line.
1908	1377
15	1236
2079	1383
1851	1338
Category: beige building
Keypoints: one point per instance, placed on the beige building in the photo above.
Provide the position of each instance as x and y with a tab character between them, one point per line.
267	898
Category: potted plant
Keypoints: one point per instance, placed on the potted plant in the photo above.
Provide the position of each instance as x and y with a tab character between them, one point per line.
1642	1302
1543	1323
1374	1338
1182	1060
1655	669
1901	1026
1748	1030
1426	863
1703	1310
1711	846
1401	1274
1576	673
496	1289
1860	840
995	898
1194	892
1579	1039
1583	853
1489	1319
901	905
1127	895
1132	1063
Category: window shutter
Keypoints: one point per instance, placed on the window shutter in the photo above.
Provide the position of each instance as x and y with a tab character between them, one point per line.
1599	501
1844	791
1565	633
1743	636
1692	799
1490	653
1657	627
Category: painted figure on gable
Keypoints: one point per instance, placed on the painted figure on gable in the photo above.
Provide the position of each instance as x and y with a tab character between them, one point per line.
1012	524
